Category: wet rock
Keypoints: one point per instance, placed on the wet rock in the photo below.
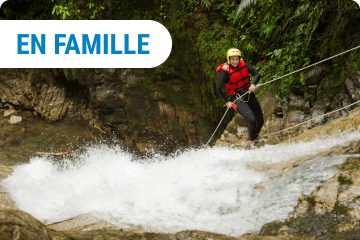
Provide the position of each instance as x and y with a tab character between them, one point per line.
347	226
328	193
280	109
16	224
296	101
2	105
240	131
8	105
319	209
283	231
231	137
231	127
307	107
195	234
352	90
130	78
107	96
299	90
12	142
295	117
345	102
110	97
314	76
316	111
353	190
355	213
268	104
9	112
300	210
4	135
15	119
273	124
223	137
240	120
246	136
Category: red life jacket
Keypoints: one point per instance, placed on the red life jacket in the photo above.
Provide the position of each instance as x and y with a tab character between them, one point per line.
239	77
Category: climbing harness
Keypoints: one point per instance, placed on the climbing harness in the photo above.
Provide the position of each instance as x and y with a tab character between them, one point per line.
259	85
239	98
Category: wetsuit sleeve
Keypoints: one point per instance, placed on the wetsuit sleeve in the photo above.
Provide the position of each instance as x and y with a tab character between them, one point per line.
253	72
220	81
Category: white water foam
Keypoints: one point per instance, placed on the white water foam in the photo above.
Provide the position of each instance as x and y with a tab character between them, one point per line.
209	189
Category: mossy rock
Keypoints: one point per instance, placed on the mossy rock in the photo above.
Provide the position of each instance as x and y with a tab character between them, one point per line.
232	127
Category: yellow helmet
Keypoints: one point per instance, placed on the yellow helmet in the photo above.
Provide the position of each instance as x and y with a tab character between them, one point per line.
233	52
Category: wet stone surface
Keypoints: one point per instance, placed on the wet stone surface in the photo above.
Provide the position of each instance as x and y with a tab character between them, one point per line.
19	142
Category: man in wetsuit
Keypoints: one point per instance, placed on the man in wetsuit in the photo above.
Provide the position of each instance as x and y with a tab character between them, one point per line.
235	75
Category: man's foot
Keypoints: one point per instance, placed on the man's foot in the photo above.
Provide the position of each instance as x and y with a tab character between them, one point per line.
252	146
259	141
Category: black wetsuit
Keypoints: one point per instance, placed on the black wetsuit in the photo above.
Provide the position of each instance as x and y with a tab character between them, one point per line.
251	110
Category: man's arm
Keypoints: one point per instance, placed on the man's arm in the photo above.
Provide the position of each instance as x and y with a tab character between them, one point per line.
220	81
253	72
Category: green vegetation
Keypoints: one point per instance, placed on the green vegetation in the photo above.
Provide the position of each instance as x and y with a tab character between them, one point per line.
311	200
143	120
344	180
351	164
275	36
340	208
175	125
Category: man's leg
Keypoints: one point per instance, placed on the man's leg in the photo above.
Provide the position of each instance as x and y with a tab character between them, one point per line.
244	110
256	108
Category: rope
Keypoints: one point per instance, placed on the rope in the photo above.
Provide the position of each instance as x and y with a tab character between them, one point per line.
259	85
312	65
217	127
237	99
311	119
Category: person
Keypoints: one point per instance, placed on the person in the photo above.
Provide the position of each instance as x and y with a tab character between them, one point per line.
235	75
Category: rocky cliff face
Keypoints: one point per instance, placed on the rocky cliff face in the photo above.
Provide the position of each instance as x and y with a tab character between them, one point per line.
105	98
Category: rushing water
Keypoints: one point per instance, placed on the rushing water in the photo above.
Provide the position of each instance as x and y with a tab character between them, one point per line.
209	189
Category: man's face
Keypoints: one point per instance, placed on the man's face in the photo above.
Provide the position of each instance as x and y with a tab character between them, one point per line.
234	60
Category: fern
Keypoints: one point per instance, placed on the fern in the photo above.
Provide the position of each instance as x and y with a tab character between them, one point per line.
243	5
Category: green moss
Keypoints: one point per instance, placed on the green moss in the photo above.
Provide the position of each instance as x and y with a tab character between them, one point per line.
131	127
143	121
175	125
311	200
351	163
55	71
344	181
67	73
30	73
271	229
340	208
